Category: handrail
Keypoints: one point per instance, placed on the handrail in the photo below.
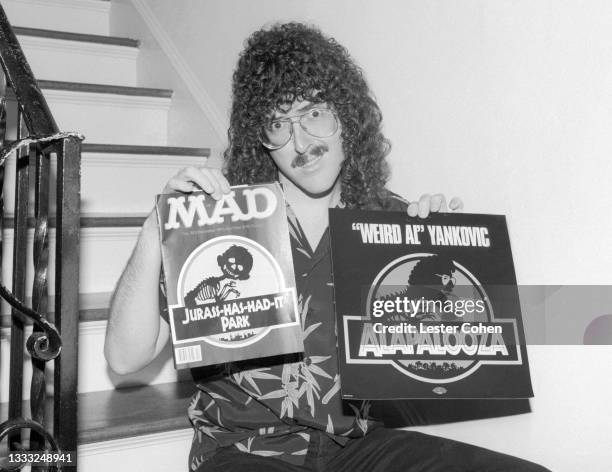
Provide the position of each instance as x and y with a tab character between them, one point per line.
38	117
38	137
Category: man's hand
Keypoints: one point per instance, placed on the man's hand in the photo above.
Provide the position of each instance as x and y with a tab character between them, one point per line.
433	204
190	179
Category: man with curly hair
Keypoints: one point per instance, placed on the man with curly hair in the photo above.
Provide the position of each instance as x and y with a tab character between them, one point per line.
302	115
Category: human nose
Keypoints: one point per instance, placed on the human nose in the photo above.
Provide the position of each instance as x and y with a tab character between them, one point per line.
301	140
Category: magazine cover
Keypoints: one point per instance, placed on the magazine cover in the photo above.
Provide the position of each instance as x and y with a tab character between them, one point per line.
427	308
228	273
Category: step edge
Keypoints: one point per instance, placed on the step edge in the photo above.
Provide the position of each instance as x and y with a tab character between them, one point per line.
102	148
79	37
182	392
115	221
131	442
84	87
86	315
124	433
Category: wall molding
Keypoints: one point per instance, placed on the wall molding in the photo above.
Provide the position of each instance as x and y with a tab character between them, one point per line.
201	96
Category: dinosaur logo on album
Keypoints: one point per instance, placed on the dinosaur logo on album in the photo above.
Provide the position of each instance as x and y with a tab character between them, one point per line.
430	318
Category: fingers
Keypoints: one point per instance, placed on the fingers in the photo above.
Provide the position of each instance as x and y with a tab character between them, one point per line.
456	204
438	203
202	179
178	185
413	209
424	205
433	204
223	182
190	179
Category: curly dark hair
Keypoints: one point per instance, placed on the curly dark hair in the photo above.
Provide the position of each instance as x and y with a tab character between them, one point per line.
424	272
292	62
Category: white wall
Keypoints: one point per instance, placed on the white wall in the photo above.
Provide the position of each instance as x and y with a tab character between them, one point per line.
507	104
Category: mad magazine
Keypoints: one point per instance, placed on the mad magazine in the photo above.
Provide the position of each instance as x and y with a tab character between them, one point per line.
228	274
427	308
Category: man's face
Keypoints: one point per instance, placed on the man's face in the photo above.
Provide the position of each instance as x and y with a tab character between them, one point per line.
311	163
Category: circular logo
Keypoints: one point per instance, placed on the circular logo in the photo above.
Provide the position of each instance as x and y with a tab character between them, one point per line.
432	289
224	269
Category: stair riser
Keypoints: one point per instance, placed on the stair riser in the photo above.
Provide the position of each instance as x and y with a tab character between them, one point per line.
75	16
153	453
103	255
110	118
75	61
128	184
116	183
94	373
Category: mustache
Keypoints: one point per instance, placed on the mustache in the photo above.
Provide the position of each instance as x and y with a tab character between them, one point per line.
311	153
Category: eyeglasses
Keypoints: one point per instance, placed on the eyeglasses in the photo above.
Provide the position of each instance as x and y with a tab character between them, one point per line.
447	278
317	122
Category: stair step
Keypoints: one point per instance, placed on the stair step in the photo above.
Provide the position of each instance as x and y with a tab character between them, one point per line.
152	150
85	315
81	37
144	170
90	221
103	88
93	307
104	251
118	414
75	57
110	114
159	452
94	373
123	413
79	16
107	170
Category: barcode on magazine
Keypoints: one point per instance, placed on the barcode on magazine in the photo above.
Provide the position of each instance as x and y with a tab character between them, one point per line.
188	354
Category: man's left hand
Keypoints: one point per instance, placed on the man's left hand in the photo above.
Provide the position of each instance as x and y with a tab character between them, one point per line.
433	204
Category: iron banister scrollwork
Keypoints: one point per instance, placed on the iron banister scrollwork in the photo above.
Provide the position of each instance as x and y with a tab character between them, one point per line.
19	424
44	346
37	138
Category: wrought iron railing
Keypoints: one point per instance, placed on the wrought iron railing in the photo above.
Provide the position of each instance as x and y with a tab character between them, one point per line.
37	139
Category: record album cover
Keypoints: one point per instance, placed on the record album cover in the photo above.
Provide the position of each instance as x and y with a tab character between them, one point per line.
427	308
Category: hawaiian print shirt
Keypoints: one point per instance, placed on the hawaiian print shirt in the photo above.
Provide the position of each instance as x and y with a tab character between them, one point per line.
269	406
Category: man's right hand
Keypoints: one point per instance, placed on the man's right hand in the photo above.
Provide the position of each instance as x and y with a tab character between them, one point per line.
190	179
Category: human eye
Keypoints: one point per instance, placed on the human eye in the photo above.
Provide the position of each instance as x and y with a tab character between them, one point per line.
275	126
315	113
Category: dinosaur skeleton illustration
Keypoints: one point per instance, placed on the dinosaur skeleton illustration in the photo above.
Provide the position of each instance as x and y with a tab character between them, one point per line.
235	264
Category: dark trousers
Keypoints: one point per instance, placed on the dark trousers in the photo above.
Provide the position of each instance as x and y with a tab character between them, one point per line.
382	450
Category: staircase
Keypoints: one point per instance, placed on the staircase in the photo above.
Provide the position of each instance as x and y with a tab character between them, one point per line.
93	83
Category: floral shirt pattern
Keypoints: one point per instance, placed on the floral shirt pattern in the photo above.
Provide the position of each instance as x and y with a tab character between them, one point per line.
268	406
